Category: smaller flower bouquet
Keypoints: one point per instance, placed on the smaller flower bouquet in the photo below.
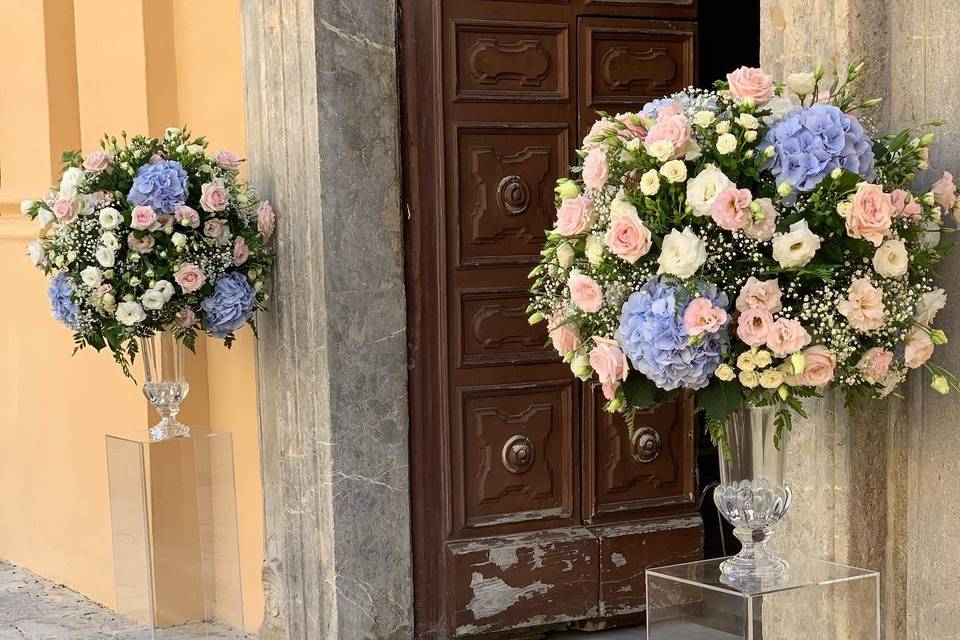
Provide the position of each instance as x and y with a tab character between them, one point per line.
754	244
149	235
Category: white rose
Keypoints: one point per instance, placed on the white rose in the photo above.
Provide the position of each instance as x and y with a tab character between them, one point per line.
801	83
674	171
890	259
748	121
702	189
704	119
779	106
153	299
91	276
796	247
726	143
36	252
105	256
661	150
723	126
566	254
682	253
129	313
110	218
179	240
109	240
164	287
69	183
45	217
650	183
928	305
594	249
750	136
25	206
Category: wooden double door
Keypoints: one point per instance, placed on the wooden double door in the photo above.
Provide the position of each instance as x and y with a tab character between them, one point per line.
532	507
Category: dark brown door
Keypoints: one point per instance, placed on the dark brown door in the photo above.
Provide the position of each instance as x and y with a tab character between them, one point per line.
532	507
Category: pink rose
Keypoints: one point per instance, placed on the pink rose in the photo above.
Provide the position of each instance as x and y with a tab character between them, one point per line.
905	205
96	161
214	196
731	208
609	389
187	318
787	337
155	158
564	335
65	210
818	367
875	363
863	307
143	217
226	159
186	216
627	237
585	292
608	360
576	216
701	316
754	326
104	289
762	226
633	126
190	277
141	245
266	219
918	347
668	109
240	251
759	294
748	82
870	216
945	191
674	129
595	169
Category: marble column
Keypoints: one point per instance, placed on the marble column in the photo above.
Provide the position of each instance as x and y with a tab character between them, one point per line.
322	139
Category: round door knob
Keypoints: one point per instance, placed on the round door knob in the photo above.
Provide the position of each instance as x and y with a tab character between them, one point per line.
518	454
645	445
513	195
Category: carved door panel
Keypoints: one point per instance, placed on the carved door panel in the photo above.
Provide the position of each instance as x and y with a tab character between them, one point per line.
530	508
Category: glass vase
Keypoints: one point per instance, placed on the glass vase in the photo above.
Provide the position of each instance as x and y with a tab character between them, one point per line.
753	495
165	385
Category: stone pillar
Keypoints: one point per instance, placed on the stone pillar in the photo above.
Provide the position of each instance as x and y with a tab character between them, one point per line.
322	138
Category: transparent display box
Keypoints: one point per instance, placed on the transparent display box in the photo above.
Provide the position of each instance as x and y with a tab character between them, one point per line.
173	513
815	600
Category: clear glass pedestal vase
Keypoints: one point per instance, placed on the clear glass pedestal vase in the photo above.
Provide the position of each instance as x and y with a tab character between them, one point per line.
753	495
165	384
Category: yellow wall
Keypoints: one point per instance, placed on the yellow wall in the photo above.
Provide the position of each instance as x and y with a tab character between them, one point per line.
71	71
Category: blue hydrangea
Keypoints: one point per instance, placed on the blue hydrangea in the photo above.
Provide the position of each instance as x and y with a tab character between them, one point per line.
230	305
62	306
162	186
689	102
811	142
652	108
652	335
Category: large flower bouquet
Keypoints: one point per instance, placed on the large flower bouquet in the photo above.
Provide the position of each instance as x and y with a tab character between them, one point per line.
755	243
148	235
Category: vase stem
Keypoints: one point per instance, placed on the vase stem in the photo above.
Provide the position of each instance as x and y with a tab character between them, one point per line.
165	385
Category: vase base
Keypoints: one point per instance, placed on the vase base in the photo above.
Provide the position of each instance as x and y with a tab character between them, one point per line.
166	430
750	567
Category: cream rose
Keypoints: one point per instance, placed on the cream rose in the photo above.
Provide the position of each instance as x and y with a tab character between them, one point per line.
726	143
796	247
682	253
890	259
650	183
674	171
703	188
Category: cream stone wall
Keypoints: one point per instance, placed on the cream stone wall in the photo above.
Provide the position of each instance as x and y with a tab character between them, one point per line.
72	70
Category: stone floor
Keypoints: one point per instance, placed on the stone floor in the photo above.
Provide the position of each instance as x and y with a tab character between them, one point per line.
33	608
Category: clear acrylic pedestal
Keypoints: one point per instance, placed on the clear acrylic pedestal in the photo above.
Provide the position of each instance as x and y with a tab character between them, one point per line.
173	513
815	600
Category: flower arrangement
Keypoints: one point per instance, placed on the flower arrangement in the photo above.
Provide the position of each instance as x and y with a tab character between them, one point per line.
754	243
147	235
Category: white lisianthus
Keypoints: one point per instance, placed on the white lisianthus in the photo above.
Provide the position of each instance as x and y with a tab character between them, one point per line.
633	144
674	171
179	240
796	247
130	313
620	206
110	218
693	151
748	121
153	299
661	150
164	287
890	259
704	119
71	179
45	217
769	151
801	83
928	305
171	132
110	240
594	249
91	276
723	127
580	366
930	237
682	253
650	183
726	143
105	256
565	255
702	189
36	252
779	106
25	206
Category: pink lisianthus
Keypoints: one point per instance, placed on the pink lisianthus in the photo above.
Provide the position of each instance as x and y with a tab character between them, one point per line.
595	169
945	191
97	161
731	208
633	126
240	251
609	361
214	196
759	294
65	210
786	337
186	216
674	129
576	216
226	159
701	316
564	335
905	205
599	128
751	83
627	237
918	347
143	218
875	363
141	245
585	292
266	219
190	277
754	325
762	226
871	214
863	307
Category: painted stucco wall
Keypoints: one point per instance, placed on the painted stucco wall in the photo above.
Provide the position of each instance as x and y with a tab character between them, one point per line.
72	70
